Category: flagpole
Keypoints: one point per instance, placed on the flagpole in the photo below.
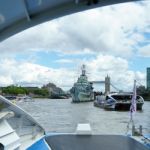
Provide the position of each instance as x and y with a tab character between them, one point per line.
132	108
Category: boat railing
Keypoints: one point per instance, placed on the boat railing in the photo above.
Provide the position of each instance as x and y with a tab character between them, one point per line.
110	97
140	99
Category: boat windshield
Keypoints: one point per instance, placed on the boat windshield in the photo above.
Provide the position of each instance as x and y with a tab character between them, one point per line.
122	97
57	70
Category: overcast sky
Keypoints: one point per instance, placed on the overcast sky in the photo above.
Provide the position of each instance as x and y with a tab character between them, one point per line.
113	40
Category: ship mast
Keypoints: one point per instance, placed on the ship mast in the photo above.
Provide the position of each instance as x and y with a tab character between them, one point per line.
83	70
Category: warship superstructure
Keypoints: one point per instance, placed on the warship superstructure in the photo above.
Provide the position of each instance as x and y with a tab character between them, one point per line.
82	91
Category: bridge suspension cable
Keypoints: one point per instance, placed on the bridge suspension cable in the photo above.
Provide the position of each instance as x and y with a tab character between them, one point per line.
115	87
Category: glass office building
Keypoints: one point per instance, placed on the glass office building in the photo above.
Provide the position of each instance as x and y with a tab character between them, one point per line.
148	78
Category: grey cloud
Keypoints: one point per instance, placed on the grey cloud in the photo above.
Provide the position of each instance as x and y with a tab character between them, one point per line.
100	30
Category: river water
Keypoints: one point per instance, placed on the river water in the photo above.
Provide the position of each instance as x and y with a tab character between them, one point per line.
63	116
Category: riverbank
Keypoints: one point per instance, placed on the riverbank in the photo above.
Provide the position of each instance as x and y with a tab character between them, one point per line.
49	90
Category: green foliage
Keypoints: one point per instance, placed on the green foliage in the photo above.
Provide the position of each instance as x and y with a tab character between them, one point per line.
42	92
48	91
15	90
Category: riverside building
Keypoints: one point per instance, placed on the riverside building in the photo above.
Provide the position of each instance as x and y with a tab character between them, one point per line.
148	78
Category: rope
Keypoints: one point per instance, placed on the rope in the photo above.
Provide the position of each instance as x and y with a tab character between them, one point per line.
145	138
139	83
114	87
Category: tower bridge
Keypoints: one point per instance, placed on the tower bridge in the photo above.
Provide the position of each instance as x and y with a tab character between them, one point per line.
107	83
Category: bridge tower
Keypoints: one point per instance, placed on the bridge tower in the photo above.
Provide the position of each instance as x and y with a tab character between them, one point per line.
107	85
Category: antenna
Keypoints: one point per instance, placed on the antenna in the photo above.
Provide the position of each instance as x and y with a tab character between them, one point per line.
83	70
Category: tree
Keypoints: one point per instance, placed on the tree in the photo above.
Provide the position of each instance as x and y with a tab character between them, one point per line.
145	93
13	90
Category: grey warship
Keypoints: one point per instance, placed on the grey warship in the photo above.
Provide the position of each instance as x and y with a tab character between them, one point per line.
82	90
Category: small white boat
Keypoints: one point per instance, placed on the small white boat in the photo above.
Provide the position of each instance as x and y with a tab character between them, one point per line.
24	99
100	101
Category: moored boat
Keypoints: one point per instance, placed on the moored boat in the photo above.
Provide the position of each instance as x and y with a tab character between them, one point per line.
119	101
24	99
122	101
100	101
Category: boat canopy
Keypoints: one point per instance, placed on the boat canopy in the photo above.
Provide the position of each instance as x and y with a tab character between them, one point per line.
93	142
123	96
18	15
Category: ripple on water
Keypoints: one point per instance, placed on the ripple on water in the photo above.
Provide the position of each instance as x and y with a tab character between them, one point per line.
63	116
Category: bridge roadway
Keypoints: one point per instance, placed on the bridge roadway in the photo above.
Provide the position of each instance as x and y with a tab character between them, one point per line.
98	82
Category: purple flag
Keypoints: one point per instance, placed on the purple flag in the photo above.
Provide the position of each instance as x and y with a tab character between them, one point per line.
133	101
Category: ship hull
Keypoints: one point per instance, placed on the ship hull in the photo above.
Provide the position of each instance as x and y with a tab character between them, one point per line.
126	106
83	97
122	106
117	106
